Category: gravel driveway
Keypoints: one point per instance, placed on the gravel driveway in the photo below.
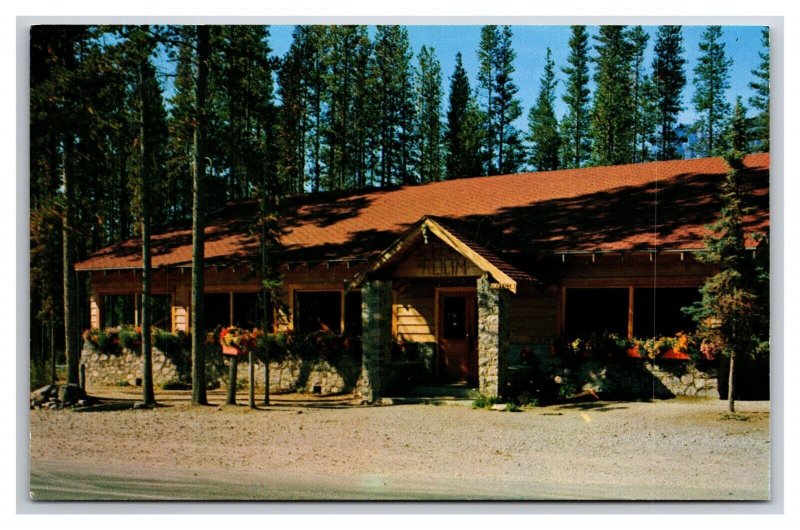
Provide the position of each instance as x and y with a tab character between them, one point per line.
676	449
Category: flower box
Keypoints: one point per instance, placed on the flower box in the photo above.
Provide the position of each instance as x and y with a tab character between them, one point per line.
231	350
675	355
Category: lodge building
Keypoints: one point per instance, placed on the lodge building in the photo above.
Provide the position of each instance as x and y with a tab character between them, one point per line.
472	273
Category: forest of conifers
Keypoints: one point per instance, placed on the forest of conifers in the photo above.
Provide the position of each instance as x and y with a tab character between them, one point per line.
347	107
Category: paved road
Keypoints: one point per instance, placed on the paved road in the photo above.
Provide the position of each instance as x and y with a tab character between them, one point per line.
53	482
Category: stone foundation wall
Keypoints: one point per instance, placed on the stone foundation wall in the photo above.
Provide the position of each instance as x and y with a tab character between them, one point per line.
324	376
103	369
623	378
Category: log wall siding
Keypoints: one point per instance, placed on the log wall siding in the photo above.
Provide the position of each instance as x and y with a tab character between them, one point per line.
533	316
415	313
182	303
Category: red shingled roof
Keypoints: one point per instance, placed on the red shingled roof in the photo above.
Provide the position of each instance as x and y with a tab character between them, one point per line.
664	205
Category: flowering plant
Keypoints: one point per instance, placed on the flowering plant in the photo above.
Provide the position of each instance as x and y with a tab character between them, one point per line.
238	338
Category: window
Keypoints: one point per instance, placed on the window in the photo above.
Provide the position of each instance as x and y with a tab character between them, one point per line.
246	310
162	311
454	317
216	310
596	311
317	311
118	310
657	312
352	313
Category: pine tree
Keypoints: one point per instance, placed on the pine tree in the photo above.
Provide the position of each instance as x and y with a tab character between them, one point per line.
345	119
733	314
669	79
612	116
759	101
429	115
736	135
393	105
543	124
293	120
487	80
638	39
506	106
198	221
463	134
576	141
711	81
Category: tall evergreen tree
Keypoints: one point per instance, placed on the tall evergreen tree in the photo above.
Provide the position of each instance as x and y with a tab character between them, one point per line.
429	115
463	134
198	221
669	79
393	105
293	120
507	107
612	116
346	62
576	140
736	135
733	313
638	41
543	124
759	101
711	81
487	80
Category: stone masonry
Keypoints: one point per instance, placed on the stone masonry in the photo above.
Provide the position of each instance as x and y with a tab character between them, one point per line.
376	337
493	304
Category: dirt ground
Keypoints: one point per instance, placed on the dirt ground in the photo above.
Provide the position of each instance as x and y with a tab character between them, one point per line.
327	449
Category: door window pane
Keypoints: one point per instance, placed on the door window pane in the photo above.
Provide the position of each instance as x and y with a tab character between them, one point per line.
454	317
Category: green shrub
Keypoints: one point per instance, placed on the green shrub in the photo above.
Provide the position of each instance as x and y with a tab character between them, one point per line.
485	402
130	338
512	407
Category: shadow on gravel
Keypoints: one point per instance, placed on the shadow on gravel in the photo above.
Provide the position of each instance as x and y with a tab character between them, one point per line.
594	407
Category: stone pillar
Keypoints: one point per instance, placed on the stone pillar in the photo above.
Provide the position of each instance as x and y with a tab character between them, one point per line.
493	304
376	336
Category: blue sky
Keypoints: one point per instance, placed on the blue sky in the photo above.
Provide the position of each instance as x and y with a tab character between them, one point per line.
742	43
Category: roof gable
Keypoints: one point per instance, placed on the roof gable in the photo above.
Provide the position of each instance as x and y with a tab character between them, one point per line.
482	259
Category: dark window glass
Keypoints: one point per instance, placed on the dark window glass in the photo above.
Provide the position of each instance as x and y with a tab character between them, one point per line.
216	310
318	311
454	317
657	312
118	310
246	310
162	311
596	311
352	313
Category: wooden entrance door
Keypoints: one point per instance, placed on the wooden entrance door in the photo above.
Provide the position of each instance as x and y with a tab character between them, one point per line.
458	333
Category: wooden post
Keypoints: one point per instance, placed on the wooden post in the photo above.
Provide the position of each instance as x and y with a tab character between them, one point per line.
230	308
630	312
251	398
232	380
562	310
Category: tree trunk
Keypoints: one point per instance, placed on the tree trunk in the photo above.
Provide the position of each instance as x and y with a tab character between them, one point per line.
731	375
53	379
251	395
71	350
231	399
198	222
148	395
